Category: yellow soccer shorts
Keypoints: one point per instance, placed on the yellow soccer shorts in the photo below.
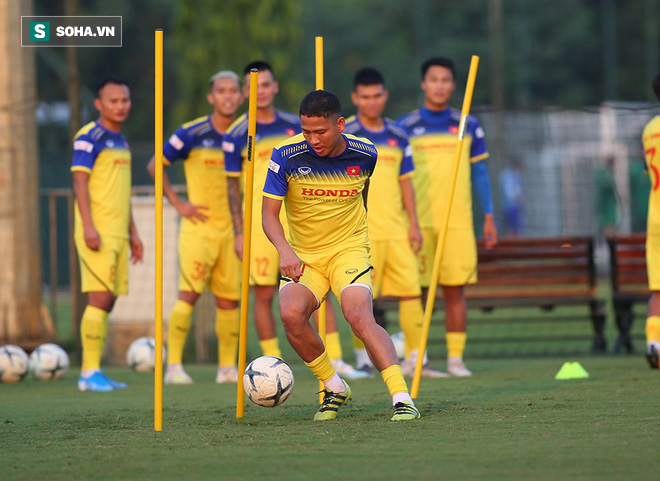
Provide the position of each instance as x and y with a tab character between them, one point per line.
653	260
395	270
334	269
104	270
459	259
264	261
209	261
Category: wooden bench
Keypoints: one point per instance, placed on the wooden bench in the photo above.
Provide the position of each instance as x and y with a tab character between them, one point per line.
629	282
533	272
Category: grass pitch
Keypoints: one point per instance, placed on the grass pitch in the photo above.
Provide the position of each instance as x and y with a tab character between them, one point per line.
511	420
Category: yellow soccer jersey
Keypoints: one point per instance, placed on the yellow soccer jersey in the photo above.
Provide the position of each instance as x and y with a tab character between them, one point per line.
268	136
106	157
651	142
322	195
199	145
432	136
387	218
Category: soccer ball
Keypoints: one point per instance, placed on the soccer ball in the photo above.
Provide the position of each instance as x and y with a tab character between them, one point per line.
141	355
14	363
49	362
399	341
268	381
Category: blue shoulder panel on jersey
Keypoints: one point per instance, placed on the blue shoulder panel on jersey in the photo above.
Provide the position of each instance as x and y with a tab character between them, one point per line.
361	145
193	124
96	133
395	129
239	127
291	147
289	117
352	126
410	119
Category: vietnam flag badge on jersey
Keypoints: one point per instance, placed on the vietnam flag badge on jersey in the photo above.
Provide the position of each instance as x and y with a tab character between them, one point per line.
354	170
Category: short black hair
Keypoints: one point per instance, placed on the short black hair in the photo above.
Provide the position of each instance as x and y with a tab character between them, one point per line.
320	103
368	76
439	62
110	80
260	65
656	86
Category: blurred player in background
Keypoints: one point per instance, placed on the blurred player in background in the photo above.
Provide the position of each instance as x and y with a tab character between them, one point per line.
394	235
322	176
206	236
512	195
651	142
104	230
273	126
432	131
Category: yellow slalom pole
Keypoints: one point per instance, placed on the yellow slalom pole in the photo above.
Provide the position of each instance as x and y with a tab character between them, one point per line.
158	149
433	286
322	335
319	63
247	241
319	86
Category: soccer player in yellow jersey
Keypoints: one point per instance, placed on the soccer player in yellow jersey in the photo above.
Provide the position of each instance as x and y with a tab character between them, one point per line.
393	228
322	176
651	142
432	132
206	237
273	126
104	230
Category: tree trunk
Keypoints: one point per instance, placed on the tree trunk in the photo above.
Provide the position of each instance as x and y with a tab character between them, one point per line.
20	256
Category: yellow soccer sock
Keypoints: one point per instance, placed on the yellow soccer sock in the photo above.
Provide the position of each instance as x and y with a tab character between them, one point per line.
357	343
411	320
178	326
653	329
456	344
93	331
393	378
226	328
271	347
333	345
322	367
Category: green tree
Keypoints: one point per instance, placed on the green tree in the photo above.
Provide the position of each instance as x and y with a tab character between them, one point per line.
209	36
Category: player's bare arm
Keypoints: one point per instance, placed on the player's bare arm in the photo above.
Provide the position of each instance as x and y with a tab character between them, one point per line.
81	189
490	231
137	249
234	194
290	264
408	199
184	208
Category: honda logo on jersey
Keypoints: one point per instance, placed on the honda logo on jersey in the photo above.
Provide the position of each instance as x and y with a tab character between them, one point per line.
353	170
307	191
